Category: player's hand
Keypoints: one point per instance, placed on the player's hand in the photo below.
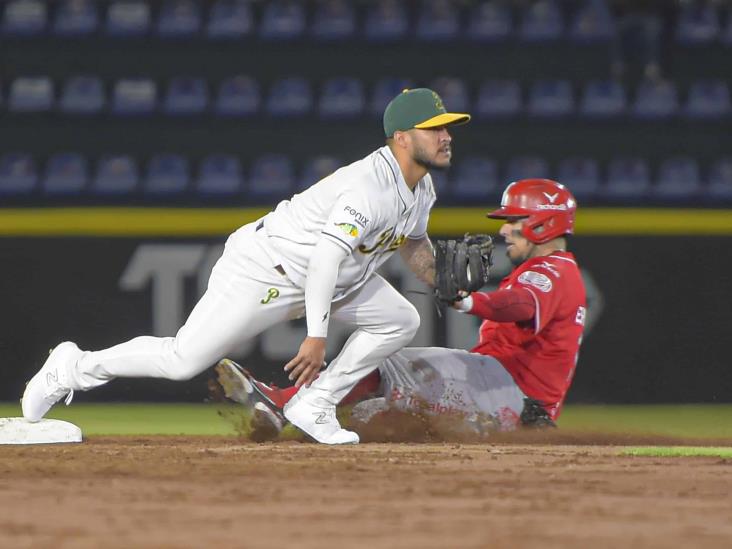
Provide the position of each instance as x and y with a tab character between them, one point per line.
310	358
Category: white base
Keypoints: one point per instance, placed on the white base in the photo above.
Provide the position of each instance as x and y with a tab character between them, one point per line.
18	430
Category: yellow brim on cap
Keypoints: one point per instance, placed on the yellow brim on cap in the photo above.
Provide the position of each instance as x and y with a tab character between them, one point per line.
445	119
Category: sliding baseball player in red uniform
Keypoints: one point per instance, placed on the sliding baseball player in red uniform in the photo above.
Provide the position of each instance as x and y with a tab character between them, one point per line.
523	364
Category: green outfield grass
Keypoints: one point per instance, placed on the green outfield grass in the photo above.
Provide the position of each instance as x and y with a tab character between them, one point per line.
696	421
679	451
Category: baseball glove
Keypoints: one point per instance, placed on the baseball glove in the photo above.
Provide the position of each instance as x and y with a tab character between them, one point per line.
461	266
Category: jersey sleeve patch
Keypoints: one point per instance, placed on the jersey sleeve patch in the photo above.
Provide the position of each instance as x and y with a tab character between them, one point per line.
538	280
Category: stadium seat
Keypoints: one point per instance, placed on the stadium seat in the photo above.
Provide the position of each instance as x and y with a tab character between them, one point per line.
542	21
230	20
498	99
290	97
341	98
18	174
656	100
186	96
385	90
603	99
678	180
82	95
489	22
437	21
238	96
128	19
166	175
527	167
31	94
76	18
282	20
272	177
441	182
592	23
220	175
179	19
719	183
134	97
628	179
698	23
581	176
708	99
726	34
550	99
386	21
66	174
25	18
475	179
316	169
454	93
333	20
116	176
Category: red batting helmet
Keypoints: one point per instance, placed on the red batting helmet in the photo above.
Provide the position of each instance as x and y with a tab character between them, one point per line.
548	206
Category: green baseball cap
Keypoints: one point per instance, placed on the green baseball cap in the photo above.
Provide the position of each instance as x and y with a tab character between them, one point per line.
418	108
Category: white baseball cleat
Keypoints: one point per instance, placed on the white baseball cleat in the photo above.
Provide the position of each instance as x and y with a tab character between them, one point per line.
51	383
320	423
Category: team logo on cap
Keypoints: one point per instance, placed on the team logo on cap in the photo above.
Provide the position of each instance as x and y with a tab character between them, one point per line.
347	228
438	102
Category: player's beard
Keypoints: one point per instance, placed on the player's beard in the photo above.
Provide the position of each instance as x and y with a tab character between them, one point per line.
423	159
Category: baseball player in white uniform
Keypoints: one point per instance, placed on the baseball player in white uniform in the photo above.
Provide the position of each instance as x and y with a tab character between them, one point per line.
315	255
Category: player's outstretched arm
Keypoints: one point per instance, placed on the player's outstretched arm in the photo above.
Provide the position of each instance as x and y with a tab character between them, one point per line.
418	254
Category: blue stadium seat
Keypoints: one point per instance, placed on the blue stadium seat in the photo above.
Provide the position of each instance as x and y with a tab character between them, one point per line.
475	178
282	20
238	96
441	182
527	167
186	96
454	93
437	21
18	174
316	169
656	100
220	175
128	18
25	18
31	94
541	22
166	175
708	99
333	20
230	20
82	95
490	22
76	18
498	99
719	183
697	24
726	35
593	23
550	99
290	97
387	21
272	177
66	174
179	19
341	98
385	90
117	175
581	176
678	180
603	99
134	97
628	180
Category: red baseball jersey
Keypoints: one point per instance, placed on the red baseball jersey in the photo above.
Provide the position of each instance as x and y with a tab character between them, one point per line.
541	354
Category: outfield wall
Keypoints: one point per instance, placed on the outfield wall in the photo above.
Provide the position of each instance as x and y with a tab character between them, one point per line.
657	282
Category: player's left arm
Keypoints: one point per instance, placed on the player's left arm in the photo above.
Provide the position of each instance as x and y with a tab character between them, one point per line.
419	255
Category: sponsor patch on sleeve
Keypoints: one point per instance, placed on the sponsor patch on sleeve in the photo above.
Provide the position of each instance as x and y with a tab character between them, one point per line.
538	280
348	229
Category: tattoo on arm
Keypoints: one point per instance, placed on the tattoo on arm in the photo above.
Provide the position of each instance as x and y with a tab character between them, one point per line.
419	256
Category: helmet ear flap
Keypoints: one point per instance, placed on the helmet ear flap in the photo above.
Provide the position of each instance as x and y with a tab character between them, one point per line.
536	228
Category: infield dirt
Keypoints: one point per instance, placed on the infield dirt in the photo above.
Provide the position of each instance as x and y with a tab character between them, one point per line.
530	490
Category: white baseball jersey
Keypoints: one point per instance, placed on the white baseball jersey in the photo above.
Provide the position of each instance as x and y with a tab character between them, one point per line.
365	207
